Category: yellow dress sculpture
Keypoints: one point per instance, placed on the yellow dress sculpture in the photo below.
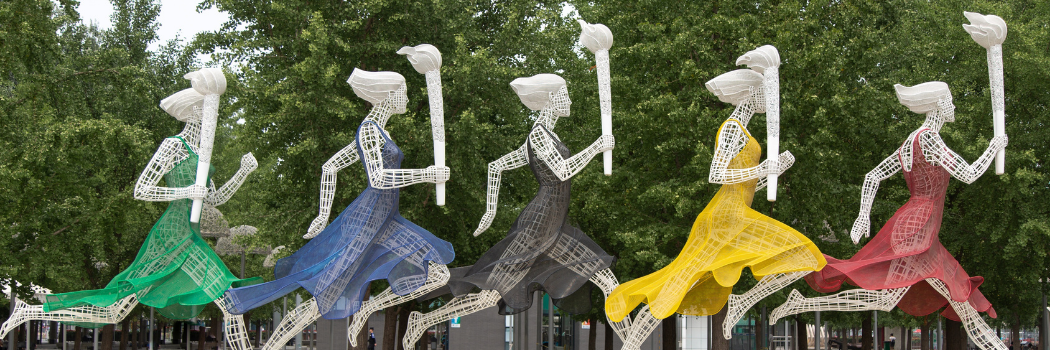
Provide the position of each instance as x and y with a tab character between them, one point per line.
726	237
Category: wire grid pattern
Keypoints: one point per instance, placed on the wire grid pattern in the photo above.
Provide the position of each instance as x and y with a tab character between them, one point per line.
368	241
906	252
727	236
436	278
169	242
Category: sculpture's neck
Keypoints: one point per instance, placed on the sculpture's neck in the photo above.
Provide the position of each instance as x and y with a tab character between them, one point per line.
192	132
933	121
381	113
547	118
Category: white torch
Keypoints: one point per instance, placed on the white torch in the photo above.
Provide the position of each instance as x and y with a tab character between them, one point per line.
990	32
426	59
211	83
598	39
766	60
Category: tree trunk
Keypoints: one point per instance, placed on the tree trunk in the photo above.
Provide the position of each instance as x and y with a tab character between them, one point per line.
402	323
77	336
390	327
592	334
865	336
719	342
136	333
106	342
608	336
670	332
1015	332
124	334
760	331
924	337
202	337
52	333
954	337
176	333
801	334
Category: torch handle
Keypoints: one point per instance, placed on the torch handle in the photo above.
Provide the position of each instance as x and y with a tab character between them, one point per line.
209	121
437	126
995	78
772	87
605	102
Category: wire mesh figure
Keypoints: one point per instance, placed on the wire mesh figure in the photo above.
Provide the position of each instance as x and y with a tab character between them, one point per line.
175	271
728	235
905	265
542	251
369	240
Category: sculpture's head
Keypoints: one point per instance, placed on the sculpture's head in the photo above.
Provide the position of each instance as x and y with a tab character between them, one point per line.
739	86
184	105
928	97
543	91
380	87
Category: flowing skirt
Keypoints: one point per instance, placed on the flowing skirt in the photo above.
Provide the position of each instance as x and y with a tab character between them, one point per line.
368	241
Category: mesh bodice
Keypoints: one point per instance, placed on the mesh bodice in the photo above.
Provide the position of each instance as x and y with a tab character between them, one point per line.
392	155
184	173
750	156
925	180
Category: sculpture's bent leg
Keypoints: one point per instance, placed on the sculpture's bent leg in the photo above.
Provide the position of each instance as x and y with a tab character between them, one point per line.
85	314
233	326
460	306
607	282
297	320
642	326
850	300
976	328
437	276
738	305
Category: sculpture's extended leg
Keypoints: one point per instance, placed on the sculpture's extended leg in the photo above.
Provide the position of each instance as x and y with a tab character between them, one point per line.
86	314
233	325
850	300
739	304
460	306
297	320
437	276
606	281
979	332
641	327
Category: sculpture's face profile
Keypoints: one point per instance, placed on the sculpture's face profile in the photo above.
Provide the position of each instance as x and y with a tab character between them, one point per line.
399	99
560	103
947	109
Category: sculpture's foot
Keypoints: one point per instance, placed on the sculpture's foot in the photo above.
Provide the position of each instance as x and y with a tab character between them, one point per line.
17	318
794	300
414	330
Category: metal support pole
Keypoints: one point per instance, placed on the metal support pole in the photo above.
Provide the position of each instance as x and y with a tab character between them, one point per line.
550	323
940	333
299	337
95	336
816	336
1046	326
151	337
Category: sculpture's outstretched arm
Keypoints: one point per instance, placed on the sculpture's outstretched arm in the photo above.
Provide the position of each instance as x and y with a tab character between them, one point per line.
168	154
566	168
372	141
342	159
513	160
889	166
219	197
731	140
936	151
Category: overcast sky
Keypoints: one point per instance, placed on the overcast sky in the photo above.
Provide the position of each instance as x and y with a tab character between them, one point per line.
177	18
